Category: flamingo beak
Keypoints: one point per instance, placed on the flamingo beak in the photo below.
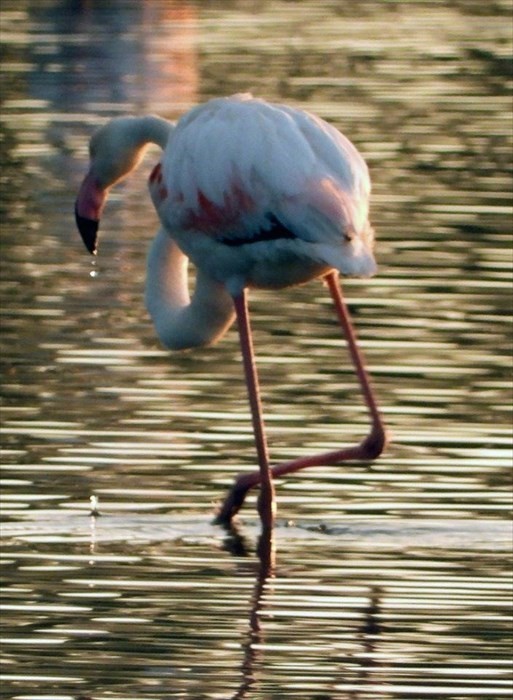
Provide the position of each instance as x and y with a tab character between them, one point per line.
88	229
88	207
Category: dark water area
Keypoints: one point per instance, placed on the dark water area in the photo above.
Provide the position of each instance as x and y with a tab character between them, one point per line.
389	580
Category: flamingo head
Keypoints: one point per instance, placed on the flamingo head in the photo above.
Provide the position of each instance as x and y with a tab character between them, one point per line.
114	150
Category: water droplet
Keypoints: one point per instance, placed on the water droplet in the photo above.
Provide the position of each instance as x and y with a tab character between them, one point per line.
94	272
94	512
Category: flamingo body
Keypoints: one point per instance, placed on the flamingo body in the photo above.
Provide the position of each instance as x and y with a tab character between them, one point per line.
264	195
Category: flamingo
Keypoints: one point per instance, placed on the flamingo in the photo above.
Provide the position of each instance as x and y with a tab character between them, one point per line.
256	195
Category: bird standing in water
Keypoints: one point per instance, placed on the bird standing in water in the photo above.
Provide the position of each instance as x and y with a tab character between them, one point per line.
256	195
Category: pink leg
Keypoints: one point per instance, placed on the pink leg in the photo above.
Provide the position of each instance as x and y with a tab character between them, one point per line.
370	448
267	502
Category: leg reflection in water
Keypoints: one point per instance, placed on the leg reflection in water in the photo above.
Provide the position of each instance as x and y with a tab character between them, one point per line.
357	670
253	654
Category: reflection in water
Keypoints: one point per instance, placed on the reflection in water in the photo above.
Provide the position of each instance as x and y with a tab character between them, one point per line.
390	580
252	648
94	60
350	610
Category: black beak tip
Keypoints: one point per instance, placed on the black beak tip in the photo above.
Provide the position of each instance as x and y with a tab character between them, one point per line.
88	229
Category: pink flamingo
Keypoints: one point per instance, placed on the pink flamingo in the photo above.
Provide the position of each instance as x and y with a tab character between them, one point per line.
255	195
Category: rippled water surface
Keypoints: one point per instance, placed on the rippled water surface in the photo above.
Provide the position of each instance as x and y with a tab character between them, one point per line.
388	580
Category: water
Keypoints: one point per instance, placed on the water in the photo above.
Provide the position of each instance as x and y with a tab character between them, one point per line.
386	581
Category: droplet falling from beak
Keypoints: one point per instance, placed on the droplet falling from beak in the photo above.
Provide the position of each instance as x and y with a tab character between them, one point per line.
88	229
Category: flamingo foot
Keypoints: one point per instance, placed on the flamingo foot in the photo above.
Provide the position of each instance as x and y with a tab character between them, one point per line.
236	497
231	505
368	450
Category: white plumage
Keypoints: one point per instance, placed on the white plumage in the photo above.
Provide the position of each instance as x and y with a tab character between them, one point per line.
235	166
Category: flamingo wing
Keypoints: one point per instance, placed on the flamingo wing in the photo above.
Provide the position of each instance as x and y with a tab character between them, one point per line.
240	169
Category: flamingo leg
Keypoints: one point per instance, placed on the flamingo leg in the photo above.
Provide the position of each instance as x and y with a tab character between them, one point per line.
267	501
370	448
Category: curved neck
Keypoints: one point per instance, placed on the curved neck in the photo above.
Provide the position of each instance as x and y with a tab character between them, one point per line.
119	146
179	321
155	130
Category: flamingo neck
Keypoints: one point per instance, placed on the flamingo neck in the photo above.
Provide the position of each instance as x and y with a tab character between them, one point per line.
119	146
155	130
182	322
